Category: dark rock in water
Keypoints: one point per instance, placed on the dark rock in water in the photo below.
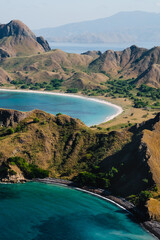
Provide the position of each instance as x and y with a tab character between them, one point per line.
43	43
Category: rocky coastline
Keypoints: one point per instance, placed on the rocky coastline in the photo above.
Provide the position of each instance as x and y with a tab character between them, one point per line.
151	226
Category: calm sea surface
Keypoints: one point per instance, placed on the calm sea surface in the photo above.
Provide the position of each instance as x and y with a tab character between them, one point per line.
36	211
90	112
81	48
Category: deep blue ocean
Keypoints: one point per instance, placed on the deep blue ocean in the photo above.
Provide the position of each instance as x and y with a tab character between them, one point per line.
37	211
90	112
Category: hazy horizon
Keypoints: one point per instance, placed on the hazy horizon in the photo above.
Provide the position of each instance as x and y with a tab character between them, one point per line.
45	14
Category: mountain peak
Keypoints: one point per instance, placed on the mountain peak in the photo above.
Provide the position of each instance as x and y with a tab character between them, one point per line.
20	40
15	28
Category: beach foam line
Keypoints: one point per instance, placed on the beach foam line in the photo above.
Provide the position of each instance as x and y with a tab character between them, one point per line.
104	198
119	109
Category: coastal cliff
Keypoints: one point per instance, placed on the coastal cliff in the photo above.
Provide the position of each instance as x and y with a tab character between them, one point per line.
125	163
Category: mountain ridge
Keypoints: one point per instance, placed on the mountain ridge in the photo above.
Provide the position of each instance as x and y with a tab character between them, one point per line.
122	27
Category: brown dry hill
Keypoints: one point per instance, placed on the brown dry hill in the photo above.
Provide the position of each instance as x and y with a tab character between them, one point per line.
83	71
86	71
55	64
16	39
133	62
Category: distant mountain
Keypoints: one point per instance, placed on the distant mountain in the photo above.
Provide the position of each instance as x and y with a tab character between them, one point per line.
16	39
123	27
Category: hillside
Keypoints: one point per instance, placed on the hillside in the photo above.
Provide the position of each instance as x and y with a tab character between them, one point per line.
129	27
126	162
59	143
137	63
81	71
16	39
55	64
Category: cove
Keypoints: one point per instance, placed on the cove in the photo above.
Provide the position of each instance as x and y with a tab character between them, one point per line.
90	111
37	211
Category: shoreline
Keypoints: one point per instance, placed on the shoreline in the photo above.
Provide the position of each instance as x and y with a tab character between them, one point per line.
152	227
102	101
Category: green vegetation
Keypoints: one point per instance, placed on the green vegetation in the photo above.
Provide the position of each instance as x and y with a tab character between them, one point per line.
141	97
30	170
36	120
96	178
54	84
58	114
149	92
72	90
141	199
10	131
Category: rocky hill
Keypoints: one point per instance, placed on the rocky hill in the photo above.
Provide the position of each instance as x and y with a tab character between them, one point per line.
82	71
126	161
138	63
85	71
16	39
55	64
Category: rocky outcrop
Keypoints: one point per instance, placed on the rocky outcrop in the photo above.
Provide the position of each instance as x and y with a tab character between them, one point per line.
10	117
10	173
43	43
4	77
3	54
94	54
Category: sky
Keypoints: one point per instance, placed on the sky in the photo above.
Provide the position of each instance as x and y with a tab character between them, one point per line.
51	13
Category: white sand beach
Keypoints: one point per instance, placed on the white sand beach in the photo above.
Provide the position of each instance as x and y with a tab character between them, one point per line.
118	108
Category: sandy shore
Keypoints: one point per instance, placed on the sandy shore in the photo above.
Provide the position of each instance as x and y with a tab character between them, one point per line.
119	109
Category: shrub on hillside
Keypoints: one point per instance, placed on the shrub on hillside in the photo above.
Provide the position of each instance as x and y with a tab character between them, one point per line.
30	170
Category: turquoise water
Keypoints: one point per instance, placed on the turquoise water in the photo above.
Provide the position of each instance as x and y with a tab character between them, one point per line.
90	112
37	211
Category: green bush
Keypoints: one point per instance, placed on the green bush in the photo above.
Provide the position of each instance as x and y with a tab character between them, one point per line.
24	86
91	179
12	163
72	90
36	120
30	170
10	131
58	114
113	172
